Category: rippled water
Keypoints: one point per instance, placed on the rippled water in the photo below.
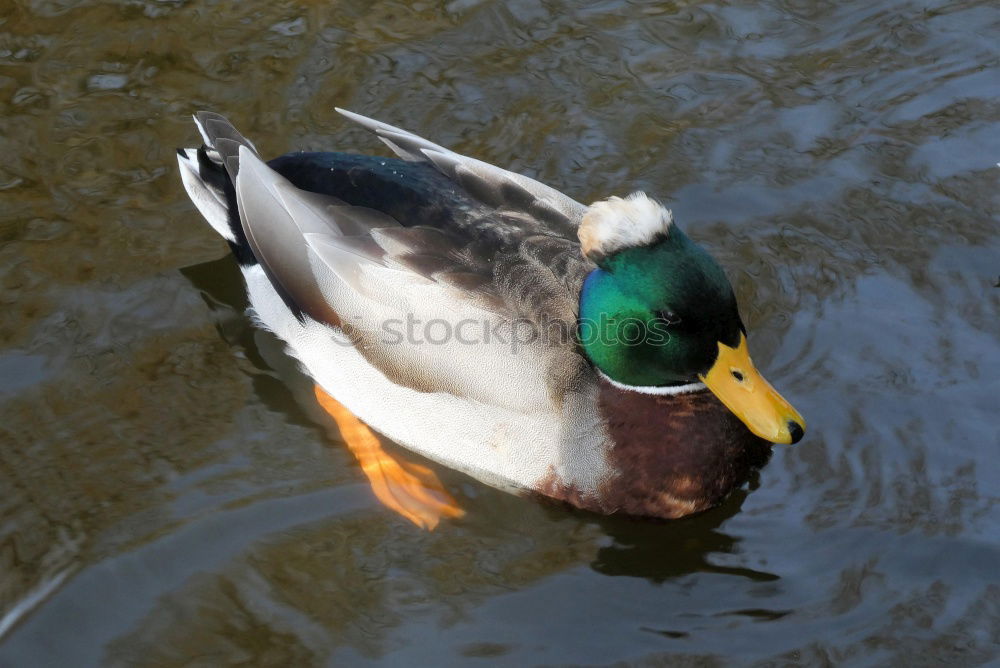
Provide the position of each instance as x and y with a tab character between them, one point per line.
169	494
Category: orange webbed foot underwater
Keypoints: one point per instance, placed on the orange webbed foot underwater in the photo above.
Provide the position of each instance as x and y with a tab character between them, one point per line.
412	490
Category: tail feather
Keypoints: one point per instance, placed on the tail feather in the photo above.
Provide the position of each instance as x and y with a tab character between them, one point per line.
208	173
220	135
205	190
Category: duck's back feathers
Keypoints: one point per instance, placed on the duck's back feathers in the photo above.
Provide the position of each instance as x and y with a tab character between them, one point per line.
498	188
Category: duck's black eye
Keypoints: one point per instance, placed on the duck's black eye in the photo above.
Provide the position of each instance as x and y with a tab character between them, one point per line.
668	317
737	375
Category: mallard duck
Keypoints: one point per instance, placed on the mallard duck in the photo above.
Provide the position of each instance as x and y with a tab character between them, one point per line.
590	354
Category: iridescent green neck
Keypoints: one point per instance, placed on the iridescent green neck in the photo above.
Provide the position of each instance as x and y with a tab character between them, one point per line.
653	315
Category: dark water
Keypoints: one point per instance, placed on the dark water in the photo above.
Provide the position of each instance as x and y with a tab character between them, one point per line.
170	496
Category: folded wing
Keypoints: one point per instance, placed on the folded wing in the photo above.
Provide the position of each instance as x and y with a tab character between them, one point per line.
361	271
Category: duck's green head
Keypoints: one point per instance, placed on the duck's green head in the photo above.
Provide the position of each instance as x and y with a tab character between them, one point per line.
659	312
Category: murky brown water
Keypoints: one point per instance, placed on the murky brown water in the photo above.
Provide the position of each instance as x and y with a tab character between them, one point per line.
171	496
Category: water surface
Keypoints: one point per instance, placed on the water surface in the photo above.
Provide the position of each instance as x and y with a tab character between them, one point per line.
170	495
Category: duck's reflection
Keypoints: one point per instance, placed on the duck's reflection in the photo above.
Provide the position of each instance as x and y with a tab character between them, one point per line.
276	379
661	550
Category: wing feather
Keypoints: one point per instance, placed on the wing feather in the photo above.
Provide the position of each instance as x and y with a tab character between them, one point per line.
492	185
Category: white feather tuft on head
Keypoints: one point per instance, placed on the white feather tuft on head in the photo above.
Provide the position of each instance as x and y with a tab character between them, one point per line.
616	223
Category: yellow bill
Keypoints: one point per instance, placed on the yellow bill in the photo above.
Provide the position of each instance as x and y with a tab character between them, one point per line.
737	383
